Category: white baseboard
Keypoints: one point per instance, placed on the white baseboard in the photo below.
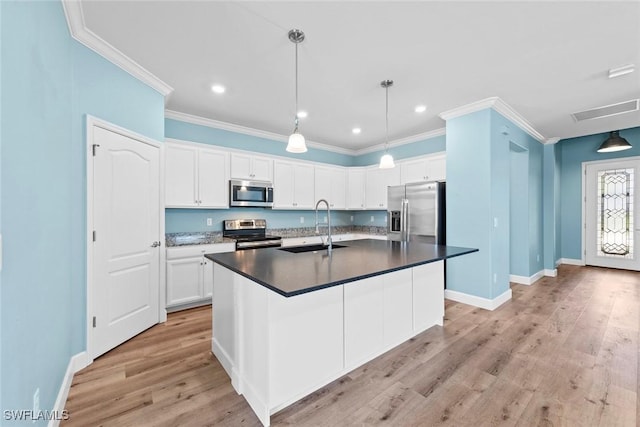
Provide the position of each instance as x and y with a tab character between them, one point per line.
76	363
487	304
551	273
570	261
524	280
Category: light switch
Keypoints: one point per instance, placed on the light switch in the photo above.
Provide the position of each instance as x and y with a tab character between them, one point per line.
209	222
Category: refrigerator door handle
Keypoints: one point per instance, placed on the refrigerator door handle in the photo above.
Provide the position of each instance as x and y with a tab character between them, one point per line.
406	226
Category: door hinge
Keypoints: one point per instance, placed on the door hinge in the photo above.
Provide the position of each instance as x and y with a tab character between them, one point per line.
94	235
93	148
94	321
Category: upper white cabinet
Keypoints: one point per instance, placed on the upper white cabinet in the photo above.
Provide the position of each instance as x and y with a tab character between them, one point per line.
293	185
355	188
377	181
425	169
330	184
196	177
253	168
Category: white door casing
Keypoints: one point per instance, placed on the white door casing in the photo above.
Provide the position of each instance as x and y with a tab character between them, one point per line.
123	289
613	216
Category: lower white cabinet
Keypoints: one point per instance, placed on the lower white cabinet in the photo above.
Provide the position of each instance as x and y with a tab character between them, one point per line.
190	274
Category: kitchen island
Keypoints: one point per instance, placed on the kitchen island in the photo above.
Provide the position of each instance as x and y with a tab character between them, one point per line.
285	324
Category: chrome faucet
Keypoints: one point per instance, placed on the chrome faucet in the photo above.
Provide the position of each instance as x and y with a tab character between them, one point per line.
328	223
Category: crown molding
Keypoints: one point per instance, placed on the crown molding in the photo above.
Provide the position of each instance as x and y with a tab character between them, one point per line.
501	107
79	31
231	127
552	140
403	141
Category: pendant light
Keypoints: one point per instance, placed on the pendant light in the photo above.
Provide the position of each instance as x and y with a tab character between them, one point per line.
386	161
296	139
614	143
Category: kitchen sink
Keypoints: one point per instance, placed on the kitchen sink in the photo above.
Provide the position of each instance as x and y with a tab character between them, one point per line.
309	248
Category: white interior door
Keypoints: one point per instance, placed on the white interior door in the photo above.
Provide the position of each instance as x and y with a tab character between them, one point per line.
126	251
611	216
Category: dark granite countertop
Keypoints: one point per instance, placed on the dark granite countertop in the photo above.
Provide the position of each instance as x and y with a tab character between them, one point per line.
292	274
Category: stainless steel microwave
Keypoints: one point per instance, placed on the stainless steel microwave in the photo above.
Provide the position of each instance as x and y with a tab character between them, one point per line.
250	194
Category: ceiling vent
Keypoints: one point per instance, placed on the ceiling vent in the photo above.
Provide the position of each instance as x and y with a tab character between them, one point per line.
607	110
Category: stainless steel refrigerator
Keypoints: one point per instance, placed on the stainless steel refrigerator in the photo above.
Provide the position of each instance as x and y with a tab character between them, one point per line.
416	212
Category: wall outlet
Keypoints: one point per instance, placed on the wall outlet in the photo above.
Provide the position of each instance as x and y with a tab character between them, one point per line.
351	221
209	222
36	401
372	219
538	257
325	219
301	220
495	222
495	278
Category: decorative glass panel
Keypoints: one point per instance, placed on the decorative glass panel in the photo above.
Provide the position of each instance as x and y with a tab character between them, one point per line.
615	213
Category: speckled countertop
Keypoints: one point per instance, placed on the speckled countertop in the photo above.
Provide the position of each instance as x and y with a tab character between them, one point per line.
212	237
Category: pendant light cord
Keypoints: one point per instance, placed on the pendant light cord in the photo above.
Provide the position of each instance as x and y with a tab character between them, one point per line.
386	115
296	88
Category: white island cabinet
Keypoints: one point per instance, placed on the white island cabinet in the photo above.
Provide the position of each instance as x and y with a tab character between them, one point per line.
278	349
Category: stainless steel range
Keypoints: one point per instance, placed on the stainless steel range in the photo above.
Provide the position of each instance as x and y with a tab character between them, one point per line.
250	233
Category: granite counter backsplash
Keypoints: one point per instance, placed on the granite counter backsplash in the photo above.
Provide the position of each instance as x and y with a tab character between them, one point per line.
211	237
196	238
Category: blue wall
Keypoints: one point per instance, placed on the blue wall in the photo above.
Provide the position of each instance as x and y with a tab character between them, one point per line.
419	148
469	212
50	82
519	211
206	135
573	152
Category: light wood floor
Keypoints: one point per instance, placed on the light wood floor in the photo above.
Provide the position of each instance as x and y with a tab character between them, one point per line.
563	352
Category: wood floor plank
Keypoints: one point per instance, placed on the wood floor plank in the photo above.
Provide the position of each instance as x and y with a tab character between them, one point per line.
563	352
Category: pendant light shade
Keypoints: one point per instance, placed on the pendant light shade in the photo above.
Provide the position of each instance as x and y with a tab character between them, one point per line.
614	143
296	143
296	139
386	161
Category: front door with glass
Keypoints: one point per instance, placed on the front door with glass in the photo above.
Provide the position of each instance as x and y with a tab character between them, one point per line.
611	217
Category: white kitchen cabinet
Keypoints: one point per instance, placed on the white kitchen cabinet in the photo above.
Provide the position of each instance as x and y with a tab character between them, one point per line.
355	188
293	185
376	183
330	184
255	168
196	177
190	274
431	168
363	323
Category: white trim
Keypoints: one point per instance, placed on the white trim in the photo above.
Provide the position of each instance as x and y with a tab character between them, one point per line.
551	273
92	122
501	107
231	127
79	31
76	363
403	141
552	141
570	261
487	304
524	280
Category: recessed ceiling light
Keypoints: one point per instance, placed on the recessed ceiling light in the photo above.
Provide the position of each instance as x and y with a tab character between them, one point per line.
302	114
356	130
421	108
218	89
621	71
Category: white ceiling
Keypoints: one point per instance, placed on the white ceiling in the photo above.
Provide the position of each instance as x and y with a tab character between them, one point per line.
544	59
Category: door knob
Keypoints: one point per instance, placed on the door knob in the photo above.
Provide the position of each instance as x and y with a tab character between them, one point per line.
155	244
